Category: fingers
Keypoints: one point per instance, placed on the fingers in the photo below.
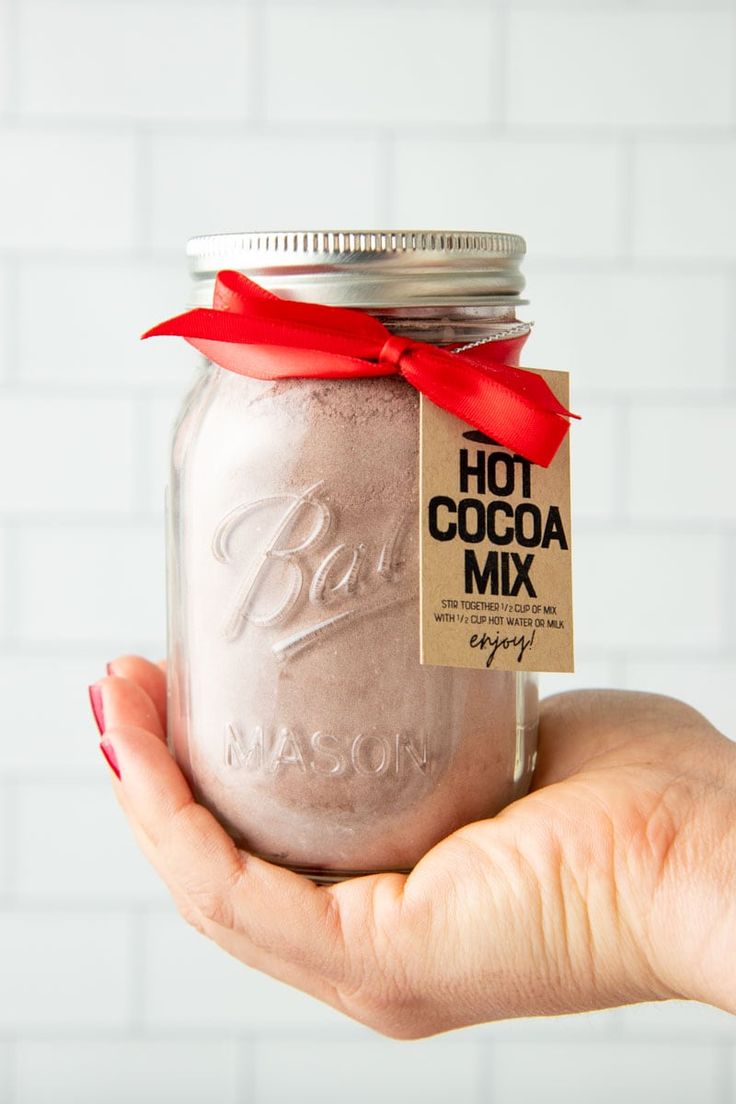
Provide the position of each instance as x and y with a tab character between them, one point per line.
581	727
569	733
273	910
267	916
150	677
587	729
125	703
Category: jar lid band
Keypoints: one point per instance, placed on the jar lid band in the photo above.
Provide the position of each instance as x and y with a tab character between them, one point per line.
367	268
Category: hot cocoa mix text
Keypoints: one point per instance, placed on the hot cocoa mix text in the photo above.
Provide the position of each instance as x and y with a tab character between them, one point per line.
481	513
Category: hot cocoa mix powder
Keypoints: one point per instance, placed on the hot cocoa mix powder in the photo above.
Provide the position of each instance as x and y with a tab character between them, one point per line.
314	733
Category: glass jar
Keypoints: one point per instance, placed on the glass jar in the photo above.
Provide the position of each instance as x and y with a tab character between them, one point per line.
298	707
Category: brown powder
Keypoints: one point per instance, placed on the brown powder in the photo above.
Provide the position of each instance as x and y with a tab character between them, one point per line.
316	736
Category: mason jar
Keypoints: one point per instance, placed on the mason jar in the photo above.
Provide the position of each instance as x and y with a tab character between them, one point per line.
298	706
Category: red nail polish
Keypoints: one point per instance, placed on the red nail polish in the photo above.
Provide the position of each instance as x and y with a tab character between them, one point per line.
109	670
95	700
109	752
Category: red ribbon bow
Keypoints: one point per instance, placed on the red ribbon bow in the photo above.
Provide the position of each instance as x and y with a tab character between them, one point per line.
255	333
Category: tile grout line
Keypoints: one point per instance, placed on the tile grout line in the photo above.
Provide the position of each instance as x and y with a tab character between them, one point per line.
458	130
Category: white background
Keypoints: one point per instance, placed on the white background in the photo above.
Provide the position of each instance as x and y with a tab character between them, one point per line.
602	131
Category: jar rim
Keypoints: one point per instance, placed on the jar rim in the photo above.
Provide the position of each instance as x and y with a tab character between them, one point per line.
368	268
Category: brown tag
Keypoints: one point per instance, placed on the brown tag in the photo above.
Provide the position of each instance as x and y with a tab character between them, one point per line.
496	587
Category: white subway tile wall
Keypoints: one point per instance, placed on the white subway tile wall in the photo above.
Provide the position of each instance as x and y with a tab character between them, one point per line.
6	603
705	684
612	82
93	315
635	331
65	971
688	454
82	583
5	284
6	1072
124	1070
190	984
603	130
631	596
45	716
6	90
612	1071
433	1073
390	42
569	195
683	199
113	61
210	179
66	188
677	1021
76	847
7	825
53	439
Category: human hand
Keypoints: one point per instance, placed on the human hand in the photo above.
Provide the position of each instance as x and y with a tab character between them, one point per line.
610	883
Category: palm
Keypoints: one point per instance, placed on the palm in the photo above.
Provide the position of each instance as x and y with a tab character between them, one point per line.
557	904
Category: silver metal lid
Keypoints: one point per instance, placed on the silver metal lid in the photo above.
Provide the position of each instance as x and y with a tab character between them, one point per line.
368	268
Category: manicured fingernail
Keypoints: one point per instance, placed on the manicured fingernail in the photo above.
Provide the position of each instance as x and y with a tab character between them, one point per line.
108	668
95	700
112	760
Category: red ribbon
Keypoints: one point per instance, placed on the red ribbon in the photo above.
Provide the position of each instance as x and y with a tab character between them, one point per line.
255	333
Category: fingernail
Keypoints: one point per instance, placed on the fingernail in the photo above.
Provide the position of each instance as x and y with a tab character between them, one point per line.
95	700
109	752
108	668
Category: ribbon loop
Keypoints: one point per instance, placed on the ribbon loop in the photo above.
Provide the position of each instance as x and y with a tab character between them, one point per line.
393	350
255	333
